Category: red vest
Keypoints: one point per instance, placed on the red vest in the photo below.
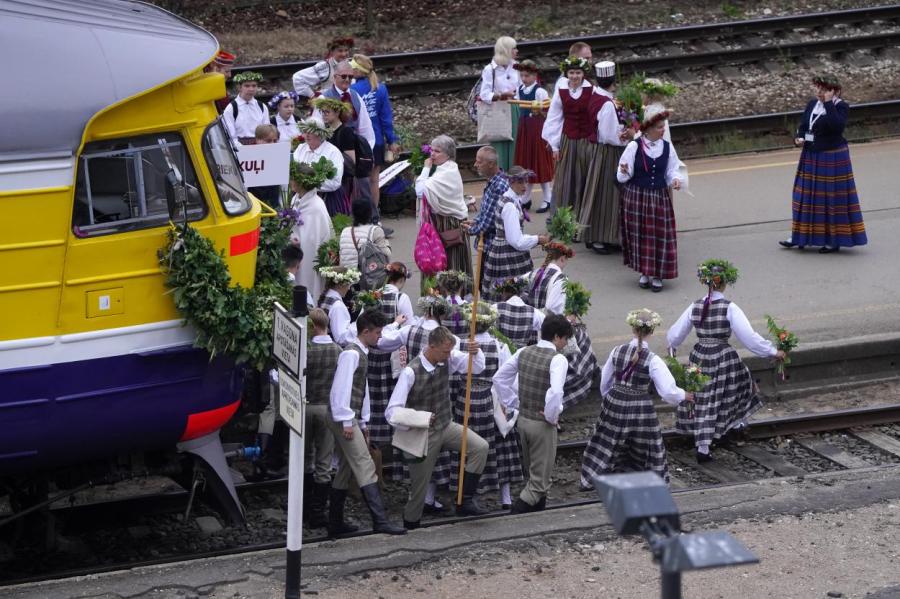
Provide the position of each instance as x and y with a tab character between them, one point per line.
597	102
577	114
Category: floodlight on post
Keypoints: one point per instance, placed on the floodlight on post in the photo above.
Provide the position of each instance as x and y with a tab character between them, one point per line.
640	503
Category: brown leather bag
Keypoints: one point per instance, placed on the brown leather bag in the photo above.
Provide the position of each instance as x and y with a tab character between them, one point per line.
451	238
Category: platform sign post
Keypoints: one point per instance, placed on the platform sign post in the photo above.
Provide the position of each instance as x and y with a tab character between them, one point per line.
289	350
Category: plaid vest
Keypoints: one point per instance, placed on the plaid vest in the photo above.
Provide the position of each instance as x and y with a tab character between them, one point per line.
534	380
537	294
321	362
499	231
359	379
638	381
417	341
389	308
431	392
715	326
517	323
327	302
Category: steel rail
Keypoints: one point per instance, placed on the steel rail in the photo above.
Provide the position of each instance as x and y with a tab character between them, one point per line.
608	41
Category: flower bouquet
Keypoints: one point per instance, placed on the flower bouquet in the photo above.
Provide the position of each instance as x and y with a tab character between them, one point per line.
297	141
563	226
784	341
367	299
417	157
578	299
328	255
629	105
689	377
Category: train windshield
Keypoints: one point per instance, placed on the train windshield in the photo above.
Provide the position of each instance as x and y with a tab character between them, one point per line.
225	170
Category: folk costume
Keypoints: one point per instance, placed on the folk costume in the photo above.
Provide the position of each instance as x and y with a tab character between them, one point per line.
340	325
241	117
307	81
312	230
567	130
532	382
443	191
380	376
649	244
223	61
455	321
424	386
546	289
318	440
600	207
510	253
518	321
731	396
333	194
532	152
359	122
825	210
627	435
287	129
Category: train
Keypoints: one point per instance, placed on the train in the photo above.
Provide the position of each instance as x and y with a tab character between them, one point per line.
110	133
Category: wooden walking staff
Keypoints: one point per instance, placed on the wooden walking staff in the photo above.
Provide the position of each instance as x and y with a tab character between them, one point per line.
472	329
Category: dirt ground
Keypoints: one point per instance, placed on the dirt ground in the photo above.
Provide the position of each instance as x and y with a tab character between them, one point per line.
846	554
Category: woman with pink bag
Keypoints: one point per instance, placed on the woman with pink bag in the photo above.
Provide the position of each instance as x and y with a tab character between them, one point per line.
442	198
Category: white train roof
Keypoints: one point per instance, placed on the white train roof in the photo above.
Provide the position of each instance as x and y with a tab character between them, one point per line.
66	60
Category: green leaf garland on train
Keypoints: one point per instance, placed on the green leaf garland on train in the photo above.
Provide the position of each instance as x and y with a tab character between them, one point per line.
230	320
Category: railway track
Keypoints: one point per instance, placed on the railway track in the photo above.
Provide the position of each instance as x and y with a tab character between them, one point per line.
777	39
843	439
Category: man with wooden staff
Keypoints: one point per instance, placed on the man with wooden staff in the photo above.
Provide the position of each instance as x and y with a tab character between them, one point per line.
538	395
424	385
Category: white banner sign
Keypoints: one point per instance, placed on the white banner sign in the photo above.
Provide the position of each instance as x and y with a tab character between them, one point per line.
290	401
265	164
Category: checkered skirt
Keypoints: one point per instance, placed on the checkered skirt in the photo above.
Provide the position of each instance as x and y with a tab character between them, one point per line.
731	395
627	436
649	244
583	368
517	323
503	260
381	382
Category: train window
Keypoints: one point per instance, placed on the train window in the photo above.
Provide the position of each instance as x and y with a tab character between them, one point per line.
121	184
225	170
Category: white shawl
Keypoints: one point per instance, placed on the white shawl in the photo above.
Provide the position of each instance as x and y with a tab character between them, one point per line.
315	230
444	190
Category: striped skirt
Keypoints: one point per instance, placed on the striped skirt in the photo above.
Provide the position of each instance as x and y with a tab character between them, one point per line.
459	257
337	201
381	385
600	208
504	261
825	207
583	368
649	244
571	172
727	399
626	438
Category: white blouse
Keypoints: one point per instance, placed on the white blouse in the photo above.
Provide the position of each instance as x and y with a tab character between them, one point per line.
540	95
404	305
304	153
553	125
512	228
556	292
342	389
496	79
287	129
740	325
654	150
249	116
659	373
608	126
339	323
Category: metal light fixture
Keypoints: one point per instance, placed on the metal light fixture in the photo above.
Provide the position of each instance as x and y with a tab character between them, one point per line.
640	503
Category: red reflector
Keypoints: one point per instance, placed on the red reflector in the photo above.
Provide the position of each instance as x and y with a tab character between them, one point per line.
204	423
243	243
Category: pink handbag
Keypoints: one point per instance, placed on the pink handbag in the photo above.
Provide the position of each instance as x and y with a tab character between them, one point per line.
429	253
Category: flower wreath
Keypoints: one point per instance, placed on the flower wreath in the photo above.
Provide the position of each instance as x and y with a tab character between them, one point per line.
332	104
716	271
281	96
247	77
430	304
555	250
311	175
349	276
514	285
574	63
452	279
487	314
644	319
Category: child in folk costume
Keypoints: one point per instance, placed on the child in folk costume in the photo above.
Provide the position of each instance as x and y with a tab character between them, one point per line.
452	285
503	462
600	209
424	386
532	152
731	396
532	381
510	252
518	321
338	281
282	105
307	81
313	228
246	111
649	165
567	129
627	436
348	414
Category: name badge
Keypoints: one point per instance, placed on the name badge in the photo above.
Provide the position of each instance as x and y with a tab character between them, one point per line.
809	137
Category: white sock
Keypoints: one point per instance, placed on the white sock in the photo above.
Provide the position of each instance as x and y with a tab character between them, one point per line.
704	449
429	493
547	191
505	498
528	188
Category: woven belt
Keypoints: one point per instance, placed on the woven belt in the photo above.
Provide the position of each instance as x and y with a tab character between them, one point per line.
711	342
629	390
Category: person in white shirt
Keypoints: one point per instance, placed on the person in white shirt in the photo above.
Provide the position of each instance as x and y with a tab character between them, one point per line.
283	104
532	382
424	386
731	396
338	281
547	285
510	252
600	205
627	437
312	228
314	147
648	167
307	81
245	112
499	82
349	413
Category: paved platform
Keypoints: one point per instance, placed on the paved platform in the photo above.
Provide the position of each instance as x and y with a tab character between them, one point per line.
739	211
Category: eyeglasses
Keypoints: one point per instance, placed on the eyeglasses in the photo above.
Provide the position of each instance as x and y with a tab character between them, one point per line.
344	77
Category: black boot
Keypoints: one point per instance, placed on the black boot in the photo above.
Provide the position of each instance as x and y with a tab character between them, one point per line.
469	506
260	464
521	507
411	525
372	497
317	517
541	504
309	495
336	524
